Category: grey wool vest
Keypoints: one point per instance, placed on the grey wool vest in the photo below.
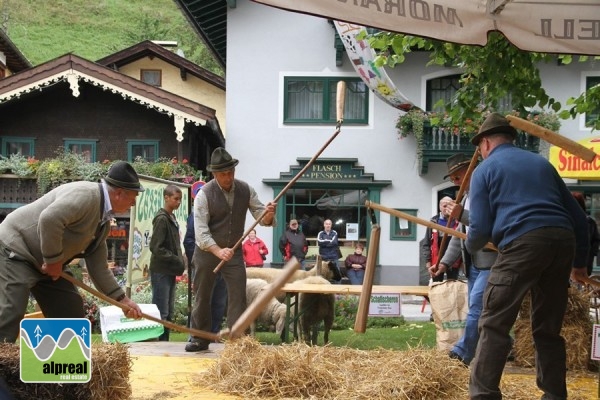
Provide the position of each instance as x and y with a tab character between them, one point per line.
227	224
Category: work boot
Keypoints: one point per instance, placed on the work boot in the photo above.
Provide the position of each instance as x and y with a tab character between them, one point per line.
195	346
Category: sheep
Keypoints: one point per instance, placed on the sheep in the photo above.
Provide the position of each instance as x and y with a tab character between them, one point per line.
328	270
274	311
314	308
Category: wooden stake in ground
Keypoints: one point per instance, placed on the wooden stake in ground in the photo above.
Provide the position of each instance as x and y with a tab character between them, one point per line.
360	324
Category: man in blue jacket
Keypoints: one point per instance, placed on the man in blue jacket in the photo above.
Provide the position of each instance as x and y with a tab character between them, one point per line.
520	204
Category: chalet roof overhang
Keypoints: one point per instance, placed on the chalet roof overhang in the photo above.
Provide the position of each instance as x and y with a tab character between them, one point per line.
15	60
148	48
72	69
209	19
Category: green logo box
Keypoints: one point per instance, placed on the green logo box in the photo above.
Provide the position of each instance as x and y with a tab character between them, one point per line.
56	350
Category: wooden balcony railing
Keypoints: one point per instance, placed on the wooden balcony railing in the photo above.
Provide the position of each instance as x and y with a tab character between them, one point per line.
439	144
16	191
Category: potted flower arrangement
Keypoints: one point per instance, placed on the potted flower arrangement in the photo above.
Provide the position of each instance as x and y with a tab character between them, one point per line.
416	122
67	166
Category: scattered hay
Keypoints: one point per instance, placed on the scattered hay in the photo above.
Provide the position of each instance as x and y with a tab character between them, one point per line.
248	369
576	330
111	366
297	371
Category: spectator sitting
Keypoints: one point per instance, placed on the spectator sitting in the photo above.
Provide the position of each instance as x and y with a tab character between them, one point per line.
355	265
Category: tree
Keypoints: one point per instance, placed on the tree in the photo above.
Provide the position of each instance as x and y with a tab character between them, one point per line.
490	73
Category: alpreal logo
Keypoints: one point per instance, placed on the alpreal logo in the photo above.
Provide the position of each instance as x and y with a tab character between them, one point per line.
56	350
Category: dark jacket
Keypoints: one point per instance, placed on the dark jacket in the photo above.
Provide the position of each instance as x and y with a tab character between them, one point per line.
594	243
165	245
356	259
189	240
293	243
329	248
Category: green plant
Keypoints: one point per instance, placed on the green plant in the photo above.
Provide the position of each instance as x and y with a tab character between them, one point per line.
66	167
414	122
17	164
167	168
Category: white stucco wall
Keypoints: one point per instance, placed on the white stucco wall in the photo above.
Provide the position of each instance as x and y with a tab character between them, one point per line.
265	44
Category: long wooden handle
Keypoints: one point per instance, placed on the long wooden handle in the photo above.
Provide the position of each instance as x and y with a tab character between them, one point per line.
420	221
254	309
552	137
461	192
360	324
340	100
341	89
180	328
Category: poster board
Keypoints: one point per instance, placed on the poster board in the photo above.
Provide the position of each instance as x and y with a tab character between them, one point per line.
385	305
146	206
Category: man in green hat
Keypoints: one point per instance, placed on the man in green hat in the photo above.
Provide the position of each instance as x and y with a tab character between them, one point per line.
220	211
38	240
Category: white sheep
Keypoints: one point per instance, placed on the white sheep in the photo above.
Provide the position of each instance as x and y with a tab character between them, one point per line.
274	311
328	270
314	308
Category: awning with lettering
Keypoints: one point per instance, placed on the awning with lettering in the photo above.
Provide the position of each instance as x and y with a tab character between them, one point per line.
570	166
549	26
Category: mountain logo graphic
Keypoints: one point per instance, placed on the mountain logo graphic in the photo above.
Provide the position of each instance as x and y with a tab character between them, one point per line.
56	350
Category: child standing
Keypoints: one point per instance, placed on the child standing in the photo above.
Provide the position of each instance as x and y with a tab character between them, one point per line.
167	260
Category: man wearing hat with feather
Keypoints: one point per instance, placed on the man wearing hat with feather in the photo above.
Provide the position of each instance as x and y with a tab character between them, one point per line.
220	211
40	238
519	203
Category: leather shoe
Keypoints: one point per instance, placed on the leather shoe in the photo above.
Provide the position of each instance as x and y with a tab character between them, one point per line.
194	346
455	356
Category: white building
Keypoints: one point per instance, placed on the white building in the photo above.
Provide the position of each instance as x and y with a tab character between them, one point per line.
273	59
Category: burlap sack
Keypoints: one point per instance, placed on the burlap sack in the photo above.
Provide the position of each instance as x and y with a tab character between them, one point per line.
450	305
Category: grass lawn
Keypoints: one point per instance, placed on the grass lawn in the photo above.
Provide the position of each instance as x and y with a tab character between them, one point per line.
397	338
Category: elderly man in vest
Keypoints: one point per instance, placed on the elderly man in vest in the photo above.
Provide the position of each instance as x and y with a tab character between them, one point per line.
40	238
219	217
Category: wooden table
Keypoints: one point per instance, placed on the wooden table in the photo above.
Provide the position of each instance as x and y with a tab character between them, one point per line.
292	290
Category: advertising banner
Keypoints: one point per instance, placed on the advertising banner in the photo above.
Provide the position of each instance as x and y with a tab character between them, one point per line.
140	231
570	166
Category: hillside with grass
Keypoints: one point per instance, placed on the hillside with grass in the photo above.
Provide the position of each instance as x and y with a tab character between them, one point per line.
44	30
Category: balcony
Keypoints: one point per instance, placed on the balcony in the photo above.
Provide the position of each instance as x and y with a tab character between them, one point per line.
439	144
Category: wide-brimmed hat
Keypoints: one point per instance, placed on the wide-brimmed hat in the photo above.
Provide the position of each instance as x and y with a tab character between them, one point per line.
494	123
221	160
456	162
121	174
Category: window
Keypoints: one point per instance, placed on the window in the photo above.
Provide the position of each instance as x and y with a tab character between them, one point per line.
592	115
401	229
312	100
17	145
85	148
146	149
151	77
445	88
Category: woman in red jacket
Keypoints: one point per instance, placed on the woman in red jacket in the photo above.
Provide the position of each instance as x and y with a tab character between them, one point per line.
255	251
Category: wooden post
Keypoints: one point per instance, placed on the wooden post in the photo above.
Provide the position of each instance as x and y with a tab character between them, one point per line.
360	325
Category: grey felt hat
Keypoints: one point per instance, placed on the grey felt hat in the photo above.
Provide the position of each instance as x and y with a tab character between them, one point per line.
121	174
221	160
494	123
456	162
